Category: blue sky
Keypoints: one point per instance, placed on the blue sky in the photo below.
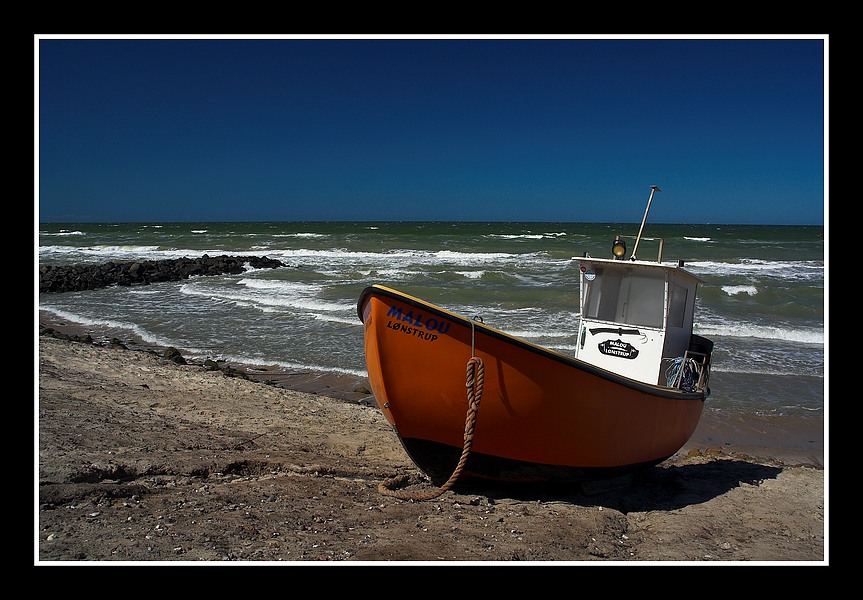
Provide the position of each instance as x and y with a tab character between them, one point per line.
733	130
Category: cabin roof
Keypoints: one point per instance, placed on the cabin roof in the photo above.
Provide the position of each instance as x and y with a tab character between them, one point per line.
641	264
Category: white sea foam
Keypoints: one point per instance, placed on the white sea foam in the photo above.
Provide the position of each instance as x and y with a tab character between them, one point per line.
795	270
297	366
471	257
351	320
533	335
61	233
525	236
385	274
745	330
733	290
103	253
86	321
268	294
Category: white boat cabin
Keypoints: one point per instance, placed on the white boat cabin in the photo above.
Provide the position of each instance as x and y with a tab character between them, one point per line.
636	317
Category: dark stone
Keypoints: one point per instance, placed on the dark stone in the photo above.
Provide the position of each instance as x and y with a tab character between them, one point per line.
232	372
174	355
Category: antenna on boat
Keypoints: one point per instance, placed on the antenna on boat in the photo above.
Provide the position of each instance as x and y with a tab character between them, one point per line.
653	190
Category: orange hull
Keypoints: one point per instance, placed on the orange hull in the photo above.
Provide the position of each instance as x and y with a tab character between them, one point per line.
543	415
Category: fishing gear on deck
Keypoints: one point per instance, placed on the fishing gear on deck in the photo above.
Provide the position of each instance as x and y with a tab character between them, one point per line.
685	371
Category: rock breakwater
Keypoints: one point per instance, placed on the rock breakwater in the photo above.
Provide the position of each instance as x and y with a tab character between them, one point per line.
74	278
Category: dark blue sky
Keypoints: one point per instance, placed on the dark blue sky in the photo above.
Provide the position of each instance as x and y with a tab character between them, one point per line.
732	130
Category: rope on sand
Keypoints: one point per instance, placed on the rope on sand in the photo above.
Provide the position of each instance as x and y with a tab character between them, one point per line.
474	379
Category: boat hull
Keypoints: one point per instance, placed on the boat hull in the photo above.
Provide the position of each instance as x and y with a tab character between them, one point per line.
543	416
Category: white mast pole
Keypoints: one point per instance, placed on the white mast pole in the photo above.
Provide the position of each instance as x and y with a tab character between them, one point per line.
653	190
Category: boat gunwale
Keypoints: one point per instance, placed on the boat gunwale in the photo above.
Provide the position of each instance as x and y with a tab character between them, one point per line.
647	388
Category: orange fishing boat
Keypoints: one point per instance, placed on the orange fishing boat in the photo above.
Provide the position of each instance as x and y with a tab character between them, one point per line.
469	401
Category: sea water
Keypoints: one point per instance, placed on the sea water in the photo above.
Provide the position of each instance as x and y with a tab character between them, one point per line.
761	300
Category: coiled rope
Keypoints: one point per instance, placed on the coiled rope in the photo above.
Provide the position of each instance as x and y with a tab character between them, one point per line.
474	379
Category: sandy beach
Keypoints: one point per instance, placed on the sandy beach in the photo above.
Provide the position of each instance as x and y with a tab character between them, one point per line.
144	460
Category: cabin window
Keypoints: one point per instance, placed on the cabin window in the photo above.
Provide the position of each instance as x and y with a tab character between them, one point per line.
677	308
622	295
